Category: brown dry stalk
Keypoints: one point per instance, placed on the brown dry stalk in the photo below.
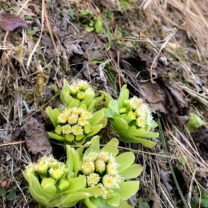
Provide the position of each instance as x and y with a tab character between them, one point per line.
49	28
12	143
39	39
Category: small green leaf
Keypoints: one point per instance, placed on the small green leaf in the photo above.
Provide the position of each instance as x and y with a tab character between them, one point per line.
77	183
95	130
36	191
194	122
145	142
114	201
108	113
49	185
125	160
53	115
133	131
97	117
89	204
32	31
70	161
89	98
121	126
72	102
76	161
89	28
95	203
93	190
73	198
124	95
113	106
85	12
2	191
11	195
112	147
132	172
99	25
128	189
55	136
95	145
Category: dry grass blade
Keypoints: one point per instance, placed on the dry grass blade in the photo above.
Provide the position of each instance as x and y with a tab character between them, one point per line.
12	143
40	36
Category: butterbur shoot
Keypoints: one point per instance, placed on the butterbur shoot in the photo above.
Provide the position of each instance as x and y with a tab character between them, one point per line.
97	177
80	93
75	125
51	185
132	119
92	22
194	122
105	170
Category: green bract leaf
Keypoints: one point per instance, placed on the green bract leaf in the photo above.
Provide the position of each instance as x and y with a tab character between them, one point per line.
36	191
55	136
121	126
95	203
114	107
124	95
132	172
128	189
52	114
112	147
97	117
132	119
95	130
71	199
145	142
114	201
89	204
132	131
77	183
125	160
95	145
71	160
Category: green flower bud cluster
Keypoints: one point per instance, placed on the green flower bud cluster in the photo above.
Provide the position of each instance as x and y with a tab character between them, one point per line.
51	174
90	174
73	124
79	90
137	112
94	175
100	169
132	119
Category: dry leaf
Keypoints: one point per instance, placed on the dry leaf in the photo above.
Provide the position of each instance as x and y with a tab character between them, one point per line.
166	98
10	22
35	137
155	96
